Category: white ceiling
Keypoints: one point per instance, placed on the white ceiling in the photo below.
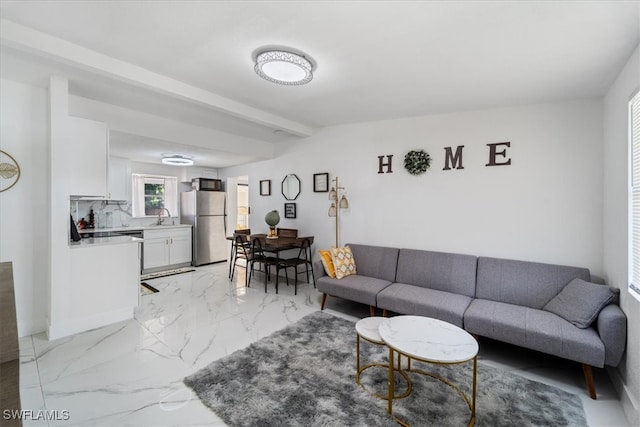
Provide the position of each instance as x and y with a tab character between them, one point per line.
191	61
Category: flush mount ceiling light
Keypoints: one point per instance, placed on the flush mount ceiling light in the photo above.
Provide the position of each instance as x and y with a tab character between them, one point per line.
177	160
282	67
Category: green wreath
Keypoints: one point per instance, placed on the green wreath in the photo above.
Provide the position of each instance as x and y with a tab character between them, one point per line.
417	162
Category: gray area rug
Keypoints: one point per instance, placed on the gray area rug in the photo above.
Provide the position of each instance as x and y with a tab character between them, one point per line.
304	375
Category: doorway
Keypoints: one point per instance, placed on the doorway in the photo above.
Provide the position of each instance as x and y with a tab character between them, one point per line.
242	193
238	203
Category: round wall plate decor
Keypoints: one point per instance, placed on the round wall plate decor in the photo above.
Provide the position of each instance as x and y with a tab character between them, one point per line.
9	171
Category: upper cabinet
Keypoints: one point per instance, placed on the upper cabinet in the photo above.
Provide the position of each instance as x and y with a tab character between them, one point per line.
119	179
86	154
196	172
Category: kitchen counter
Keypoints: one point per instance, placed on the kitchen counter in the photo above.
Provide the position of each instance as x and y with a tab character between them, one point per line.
133	228
103	241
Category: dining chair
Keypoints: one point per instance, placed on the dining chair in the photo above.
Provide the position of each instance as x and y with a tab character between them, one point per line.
258	256
303	259
287	232
234	248
242	251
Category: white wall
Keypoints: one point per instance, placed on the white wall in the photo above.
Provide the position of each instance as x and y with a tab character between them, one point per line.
616	254
24	208
546	206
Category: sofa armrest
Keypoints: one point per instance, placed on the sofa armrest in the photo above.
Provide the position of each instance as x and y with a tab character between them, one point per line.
612	328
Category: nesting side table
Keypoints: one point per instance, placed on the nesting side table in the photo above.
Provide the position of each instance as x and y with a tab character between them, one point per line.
431	341
367	330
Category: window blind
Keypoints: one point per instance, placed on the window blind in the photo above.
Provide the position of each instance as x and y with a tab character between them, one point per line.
634	280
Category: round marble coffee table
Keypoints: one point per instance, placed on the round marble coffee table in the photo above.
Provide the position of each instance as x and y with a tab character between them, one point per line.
430	341
367	329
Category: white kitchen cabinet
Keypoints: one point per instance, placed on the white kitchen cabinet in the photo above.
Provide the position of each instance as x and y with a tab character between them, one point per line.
103	287
156	251
196	172
86	152
166	247
119	179
180	246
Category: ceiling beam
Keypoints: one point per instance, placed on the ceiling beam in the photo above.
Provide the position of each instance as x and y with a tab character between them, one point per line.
44	45
150	126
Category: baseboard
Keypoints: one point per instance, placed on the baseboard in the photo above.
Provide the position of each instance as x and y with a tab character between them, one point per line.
64	329
26	329
627	400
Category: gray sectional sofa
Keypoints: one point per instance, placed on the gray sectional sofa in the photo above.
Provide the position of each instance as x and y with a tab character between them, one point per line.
496	298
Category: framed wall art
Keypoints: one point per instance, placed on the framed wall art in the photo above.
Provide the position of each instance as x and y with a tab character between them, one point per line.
320	182
265	187
289	210
9	171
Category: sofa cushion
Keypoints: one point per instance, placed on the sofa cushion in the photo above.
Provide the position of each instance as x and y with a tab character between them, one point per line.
438	270
580	302
355	287
416	300
343	262
535	329
375	261
327	263
529	284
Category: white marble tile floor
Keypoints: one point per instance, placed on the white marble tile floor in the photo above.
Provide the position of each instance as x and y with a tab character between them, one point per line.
131	373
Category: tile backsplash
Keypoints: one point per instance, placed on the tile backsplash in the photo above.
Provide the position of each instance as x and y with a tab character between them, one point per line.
120	213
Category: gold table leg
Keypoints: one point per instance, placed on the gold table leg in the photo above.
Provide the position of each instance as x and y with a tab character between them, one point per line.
472	421
360	369
470	401
391	382
358	353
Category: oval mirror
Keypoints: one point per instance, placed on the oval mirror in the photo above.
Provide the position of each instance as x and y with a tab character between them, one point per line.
291	187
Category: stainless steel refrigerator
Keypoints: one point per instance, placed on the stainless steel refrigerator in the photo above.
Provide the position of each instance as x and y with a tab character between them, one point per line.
205	211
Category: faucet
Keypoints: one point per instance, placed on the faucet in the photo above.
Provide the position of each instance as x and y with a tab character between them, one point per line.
160	218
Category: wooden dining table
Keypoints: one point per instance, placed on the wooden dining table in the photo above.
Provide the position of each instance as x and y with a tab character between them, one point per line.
274	246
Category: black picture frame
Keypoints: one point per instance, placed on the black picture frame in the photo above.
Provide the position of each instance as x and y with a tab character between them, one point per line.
321	182
265	187
290	210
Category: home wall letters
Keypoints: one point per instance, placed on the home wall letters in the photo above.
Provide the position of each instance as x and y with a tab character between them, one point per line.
453	160
493	153
382	163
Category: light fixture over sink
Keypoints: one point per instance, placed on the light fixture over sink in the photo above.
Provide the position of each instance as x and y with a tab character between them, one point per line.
282	67
177	160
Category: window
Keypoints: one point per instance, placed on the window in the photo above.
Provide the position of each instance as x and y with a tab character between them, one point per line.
634	196
154	195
